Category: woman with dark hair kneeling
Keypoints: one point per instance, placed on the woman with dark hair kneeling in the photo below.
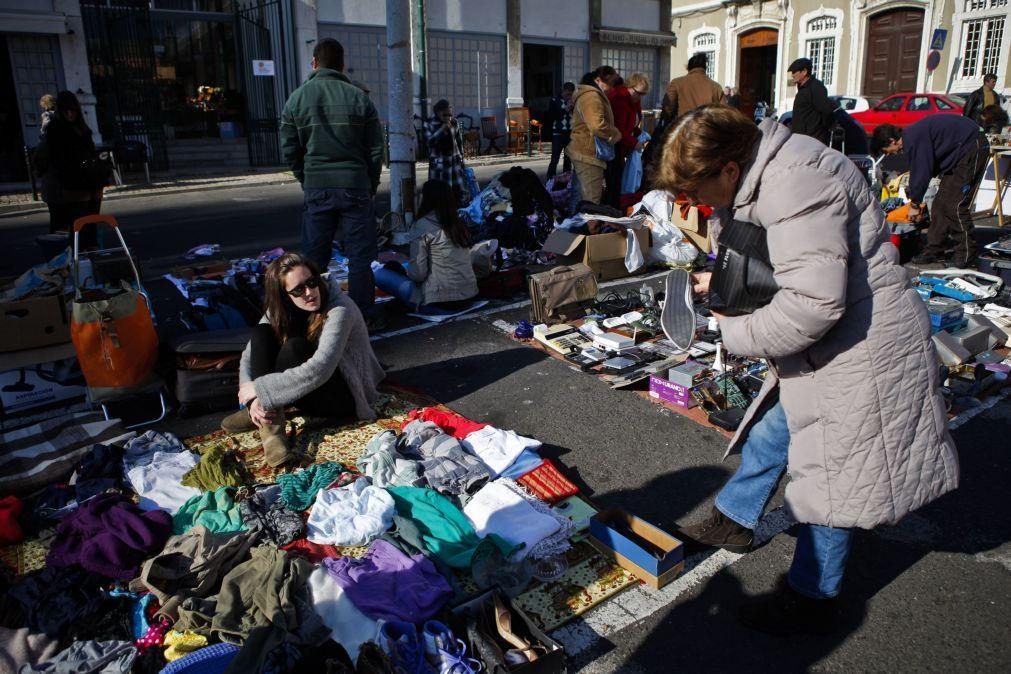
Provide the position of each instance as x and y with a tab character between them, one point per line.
310	350
439	273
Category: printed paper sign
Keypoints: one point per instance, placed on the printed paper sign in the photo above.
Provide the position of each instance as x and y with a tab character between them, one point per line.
263	68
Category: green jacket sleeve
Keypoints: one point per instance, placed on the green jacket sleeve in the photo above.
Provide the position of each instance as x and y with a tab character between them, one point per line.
292	149
375	143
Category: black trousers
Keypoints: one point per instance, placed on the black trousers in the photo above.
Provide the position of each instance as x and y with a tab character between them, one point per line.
951	214
558	143
333	399
612	181
62	216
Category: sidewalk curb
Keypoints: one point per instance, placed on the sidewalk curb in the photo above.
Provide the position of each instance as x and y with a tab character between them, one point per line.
34	207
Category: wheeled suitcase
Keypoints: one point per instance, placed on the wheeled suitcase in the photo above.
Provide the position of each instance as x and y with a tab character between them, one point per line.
207	370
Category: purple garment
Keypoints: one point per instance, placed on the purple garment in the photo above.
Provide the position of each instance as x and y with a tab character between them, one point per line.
111	536
387	584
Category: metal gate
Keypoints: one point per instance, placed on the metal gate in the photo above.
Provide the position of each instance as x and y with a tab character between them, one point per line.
121	59
260	36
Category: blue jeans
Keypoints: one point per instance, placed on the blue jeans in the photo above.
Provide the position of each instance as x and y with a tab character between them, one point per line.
819	560
344	214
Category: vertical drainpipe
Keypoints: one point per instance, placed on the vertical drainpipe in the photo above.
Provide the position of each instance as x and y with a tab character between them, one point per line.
421	56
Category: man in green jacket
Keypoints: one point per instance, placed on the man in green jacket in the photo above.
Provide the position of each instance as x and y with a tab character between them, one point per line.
332	139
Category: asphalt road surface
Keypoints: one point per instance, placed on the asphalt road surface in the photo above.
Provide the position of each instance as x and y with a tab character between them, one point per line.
931	594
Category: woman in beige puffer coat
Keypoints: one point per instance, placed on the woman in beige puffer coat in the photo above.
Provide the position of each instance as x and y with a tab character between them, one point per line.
851	405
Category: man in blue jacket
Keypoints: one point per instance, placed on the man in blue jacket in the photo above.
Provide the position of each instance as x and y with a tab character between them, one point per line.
332	139
953	148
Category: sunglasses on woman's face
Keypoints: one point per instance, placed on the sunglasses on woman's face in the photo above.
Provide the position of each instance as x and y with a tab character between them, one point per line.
310	283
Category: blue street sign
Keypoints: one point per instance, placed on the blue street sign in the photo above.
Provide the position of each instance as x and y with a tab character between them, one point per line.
940	37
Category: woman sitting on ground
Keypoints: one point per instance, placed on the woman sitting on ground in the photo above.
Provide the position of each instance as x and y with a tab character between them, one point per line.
440	271
310	350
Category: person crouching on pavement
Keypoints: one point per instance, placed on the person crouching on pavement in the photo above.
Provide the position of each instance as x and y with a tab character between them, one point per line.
851	404
955	149
311	350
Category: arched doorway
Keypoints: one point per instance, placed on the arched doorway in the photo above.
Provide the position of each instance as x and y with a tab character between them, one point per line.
757	70
892	63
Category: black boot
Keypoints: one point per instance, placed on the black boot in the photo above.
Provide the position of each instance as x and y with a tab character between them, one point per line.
786	612
719	531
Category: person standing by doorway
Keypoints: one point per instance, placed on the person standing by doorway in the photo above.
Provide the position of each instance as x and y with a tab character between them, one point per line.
813	113
73	176
561	128
332	139
592	119
983	97
445	151
690	91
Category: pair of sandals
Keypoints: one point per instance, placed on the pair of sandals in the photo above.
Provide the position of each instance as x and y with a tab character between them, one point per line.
493	622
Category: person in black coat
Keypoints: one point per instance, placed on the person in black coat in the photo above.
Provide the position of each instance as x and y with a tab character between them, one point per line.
983	97
813	113
67	160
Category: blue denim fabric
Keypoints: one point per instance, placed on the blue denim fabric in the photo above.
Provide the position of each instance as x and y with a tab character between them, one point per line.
763	460
347	215
819	560
399	286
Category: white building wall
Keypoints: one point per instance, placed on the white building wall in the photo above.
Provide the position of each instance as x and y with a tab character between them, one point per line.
354	12
631	14
561	20
476	16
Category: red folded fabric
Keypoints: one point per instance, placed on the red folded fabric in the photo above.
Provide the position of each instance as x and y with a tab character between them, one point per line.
548	483
451	422
314	552
10	528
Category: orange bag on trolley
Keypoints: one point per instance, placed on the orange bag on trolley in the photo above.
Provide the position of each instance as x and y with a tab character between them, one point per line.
112	331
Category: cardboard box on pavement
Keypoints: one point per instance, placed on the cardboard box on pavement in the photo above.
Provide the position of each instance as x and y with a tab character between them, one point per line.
653	555
33	322
602	253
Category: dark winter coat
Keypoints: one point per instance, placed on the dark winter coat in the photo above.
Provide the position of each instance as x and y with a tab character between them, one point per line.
812	111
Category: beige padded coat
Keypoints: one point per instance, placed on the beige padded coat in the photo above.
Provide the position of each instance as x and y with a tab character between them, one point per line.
847	339
591	118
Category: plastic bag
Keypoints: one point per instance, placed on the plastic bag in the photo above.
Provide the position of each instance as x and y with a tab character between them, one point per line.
633	253
669	244
631	179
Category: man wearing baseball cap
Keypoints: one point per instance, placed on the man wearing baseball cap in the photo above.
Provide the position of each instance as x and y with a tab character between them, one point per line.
812	111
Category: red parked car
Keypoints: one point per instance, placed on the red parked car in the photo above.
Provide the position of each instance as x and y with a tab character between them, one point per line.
904	109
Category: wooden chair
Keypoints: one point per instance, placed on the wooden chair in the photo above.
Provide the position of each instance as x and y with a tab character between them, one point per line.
489	129
520	129
471	136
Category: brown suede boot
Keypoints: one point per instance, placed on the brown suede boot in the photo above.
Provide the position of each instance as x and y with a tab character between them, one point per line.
719	531
275	443
238	422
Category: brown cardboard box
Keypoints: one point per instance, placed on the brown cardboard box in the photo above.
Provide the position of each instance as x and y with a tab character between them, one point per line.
33	322
651	554
694	227
603	253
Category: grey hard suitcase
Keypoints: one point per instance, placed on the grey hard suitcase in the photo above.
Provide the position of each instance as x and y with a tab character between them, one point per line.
207	370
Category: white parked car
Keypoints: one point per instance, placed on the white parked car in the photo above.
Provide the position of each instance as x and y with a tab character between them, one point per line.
855	103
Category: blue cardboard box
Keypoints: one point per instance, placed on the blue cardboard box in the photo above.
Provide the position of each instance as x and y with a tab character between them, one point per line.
653	555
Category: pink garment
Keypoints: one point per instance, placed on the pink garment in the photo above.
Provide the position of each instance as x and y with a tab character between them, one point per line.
451	422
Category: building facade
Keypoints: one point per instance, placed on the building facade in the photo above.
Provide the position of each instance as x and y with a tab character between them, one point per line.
42	51
487	55
857	47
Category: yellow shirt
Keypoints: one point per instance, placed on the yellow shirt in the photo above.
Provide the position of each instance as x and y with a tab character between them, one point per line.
989	98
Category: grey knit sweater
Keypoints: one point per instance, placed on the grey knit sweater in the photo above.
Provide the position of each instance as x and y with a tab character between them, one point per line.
343	343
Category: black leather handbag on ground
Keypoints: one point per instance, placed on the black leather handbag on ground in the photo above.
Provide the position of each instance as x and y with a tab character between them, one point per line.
742	279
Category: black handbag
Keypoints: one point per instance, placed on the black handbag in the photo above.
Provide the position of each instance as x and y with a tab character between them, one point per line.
742	279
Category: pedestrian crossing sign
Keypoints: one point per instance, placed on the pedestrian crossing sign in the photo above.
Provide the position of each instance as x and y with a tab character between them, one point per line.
940	37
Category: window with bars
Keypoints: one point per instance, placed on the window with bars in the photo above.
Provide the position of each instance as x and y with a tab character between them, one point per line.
982	45
467	70
636	60
979	5
820	48
705	43
364	59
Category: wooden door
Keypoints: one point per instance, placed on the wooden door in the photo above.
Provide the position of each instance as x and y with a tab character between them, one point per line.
893	52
